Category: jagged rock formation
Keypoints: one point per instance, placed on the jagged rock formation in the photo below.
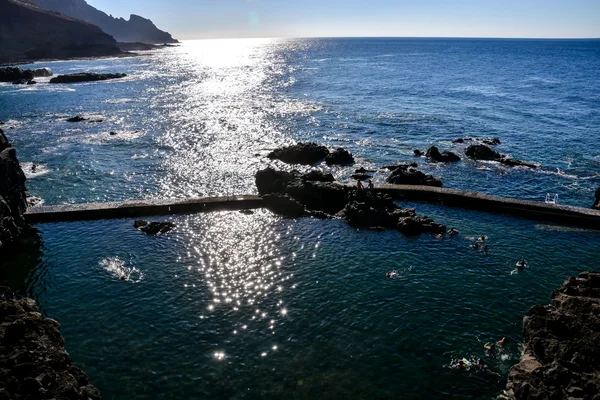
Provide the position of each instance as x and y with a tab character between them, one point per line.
311	153
408	174
137	29
14	74
562	345
482	152
153	228
13	195
28	32
434	154
33	361
85	77
295	195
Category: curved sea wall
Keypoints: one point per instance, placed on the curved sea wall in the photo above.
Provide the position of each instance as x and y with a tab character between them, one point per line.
33	361
562	345
13	195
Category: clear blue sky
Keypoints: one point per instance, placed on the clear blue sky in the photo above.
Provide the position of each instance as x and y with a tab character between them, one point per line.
195	19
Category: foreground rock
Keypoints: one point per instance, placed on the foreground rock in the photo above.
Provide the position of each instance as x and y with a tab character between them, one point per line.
33	361
483	152
562	345
13	195
447	156
14	74
597	203
301	153
408	174
153	228
85	77
294	195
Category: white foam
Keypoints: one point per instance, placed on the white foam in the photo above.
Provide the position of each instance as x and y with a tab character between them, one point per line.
116	267
40	169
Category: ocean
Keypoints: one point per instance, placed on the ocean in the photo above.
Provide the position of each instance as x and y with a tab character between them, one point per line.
258	306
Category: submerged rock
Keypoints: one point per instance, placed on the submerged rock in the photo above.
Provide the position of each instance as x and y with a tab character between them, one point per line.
33	360
447	156
562	353
85	77
409	175
339	156
301	153
153	228
517	163
77	118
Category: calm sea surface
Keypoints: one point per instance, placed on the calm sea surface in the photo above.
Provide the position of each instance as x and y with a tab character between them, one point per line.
256	306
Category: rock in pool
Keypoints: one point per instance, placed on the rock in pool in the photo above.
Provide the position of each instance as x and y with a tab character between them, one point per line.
85	77
447	156
301	153
153	228
339	156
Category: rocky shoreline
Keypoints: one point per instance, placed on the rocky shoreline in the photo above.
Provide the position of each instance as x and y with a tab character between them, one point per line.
561	358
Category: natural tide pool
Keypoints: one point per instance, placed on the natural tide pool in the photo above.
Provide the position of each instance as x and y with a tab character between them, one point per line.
255	306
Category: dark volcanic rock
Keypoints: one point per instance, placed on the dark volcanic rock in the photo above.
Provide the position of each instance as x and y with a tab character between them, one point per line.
597	202
85	77
33	361
31	82
20	82
361	177
562	352
327	197
153	228
367	209
283	204
13	195
447	156
77	118
339	156
482	152
13	74
136	29
28	32
271	181
517	163
415	225
408	175
318	176
418	153
301	153
490	141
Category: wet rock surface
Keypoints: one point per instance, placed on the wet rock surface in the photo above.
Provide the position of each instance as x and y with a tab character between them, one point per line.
339	156
562	345
153	228
483	152
301	153
434	154
408	174
14	74
85	77
13	195
33	361
293	194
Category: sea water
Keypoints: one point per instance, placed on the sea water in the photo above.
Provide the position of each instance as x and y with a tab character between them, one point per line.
256	306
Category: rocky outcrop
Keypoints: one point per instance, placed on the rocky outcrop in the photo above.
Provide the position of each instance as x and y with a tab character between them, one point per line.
301	153
293	194
28	32
408	174
85	77
339	156
562	353
488	141
153	228
13	195
597	202
136	29
14	74
77	118
483	152
33	361
447	156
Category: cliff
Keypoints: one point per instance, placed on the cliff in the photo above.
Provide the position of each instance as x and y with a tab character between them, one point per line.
33	361
137	29
28	32
13	196
562	345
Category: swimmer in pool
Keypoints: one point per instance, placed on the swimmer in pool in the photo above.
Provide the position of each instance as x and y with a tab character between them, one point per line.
393	274
521	264
452	232
475	245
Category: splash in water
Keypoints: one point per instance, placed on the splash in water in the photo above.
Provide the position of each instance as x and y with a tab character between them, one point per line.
117	268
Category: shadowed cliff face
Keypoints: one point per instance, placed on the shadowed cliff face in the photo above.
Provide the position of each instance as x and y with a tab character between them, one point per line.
27	32
13	196
137	29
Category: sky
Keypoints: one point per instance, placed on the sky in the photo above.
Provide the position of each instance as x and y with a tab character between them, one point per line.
197	19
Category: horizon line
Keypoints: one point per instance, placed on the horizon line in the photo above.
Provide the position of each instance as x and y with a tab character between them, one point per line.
396	37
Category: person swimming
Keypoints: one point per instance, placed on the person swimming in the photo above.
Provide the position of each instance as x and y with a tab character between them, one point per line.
452	232
521	265
480	364
392	275
490	349
482	238
502	343
475	245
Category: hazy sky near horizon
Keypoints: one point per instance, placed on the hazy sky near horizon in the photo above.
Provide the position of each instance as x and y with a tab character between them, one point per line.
196	19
